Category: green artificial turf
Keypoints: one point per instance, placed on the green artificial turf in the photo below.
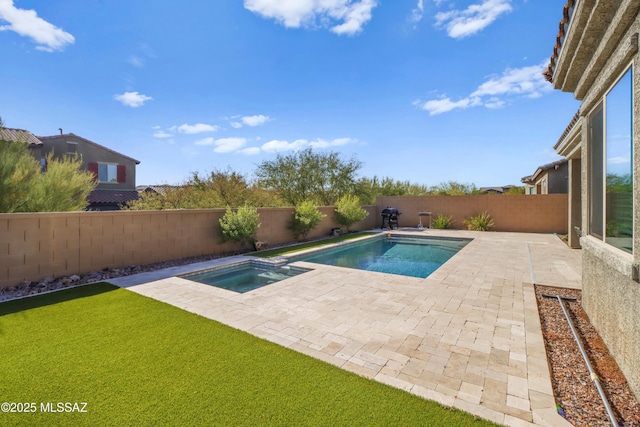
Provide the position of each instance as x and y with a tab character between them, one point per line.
137	361
307	245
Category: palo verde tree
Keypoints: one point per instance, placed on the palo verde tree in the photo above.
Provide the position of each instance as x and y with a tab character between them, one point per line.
217	189
308	175
453	188
24	187
222	188
367	189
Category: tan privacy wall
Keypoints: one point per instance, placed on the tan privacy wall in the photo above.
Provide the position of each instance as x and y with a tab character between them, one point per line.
36	245
524	213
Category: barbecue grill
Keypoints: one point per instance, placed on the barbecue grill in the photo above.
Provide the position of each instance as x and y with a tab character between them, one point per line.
390	217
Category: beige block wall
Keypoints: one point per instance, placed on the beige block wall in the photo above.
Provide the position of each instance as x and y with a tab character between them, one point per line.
36	245
523	213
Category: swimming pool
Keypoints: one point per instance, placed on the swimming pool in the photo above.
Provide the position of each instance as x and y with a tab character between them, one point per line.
407	256
245	276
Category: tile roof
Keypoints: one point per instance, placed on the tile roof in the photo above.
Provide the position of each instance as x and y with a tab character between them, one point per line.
73	135
112	196
159	189
16	135
564	25
543	168
502	189
567	130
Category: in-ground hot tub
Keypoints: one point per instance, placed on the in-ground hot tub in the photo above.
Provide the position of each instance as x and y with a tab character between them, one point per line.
244	276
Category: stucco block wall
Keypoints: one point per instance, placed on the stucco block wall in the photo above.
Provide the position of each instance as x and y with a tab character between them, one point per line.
522	213
36	245
612	302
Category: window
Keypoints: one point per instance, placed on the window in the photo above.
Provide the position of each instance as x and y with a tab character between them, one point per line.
610	178
108	172
72	148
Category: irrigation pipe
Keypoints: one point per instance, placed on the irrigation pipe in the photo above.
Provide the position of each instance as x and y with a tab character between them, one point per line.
592	373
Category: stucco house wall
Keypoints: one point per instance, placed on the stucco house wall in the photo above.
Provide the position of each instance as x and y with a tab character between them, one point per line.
598	42
551	178
114	172
91	152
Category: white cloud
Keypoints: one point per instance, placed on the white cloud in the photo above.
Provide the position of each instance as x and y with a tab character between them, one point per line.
256	120
620	160
494	103
136	61
27	23
227	145
322	143
132	99
197	128
341	16
417	12
162	134
205	141
527	81
476	17
445	104
250	151
275	145
236	125
524	82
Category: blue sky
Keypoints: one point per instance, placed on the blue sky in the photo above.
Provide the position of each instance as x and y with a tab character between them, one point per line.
421	90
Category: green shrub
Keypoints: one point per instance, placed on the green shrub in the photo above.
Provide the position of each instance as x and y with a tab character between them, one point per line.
442	222
479	222
348	211
305	218
240	225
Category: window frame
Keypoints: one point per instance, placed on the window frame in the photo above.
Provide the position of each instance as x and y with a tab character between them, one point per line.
601	201
114	179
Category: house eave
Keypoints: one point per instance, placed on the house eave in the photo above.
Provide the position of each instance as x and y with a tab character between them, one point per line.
95	144
595	29
569	145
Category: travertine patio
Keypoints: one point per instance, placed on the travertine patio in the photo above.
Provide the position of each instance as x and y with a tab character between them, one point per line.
468	336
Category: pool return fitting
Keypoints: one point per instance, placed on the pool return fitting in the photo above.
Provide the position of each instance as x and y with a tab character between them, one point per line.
592	373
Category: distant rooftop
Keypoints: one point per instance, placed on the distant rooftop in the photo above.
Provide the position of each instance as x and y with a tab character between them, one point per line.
552	165
20	135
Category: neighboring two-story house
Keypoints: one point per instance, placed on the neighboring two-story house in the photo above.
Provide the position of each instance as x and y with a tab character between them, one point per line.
115	172
551	178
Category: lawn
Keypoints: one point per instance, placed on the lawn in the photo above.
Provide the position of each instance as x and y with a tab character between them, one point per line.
137	361
308	245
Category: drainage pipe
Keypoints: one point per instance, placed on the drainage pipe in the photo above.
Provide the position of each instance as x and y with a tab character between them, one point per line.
592	373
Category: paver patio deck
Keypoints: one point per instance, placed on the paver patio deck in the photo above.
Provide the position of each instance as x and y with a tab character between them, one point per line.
467	336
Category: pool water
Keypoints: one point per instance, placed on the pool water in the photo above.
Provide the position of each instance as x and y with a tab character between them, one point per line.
407	256
244	277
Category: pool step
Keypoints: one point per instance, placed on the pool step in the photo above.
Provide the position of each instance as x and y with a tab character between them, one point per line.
272	275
